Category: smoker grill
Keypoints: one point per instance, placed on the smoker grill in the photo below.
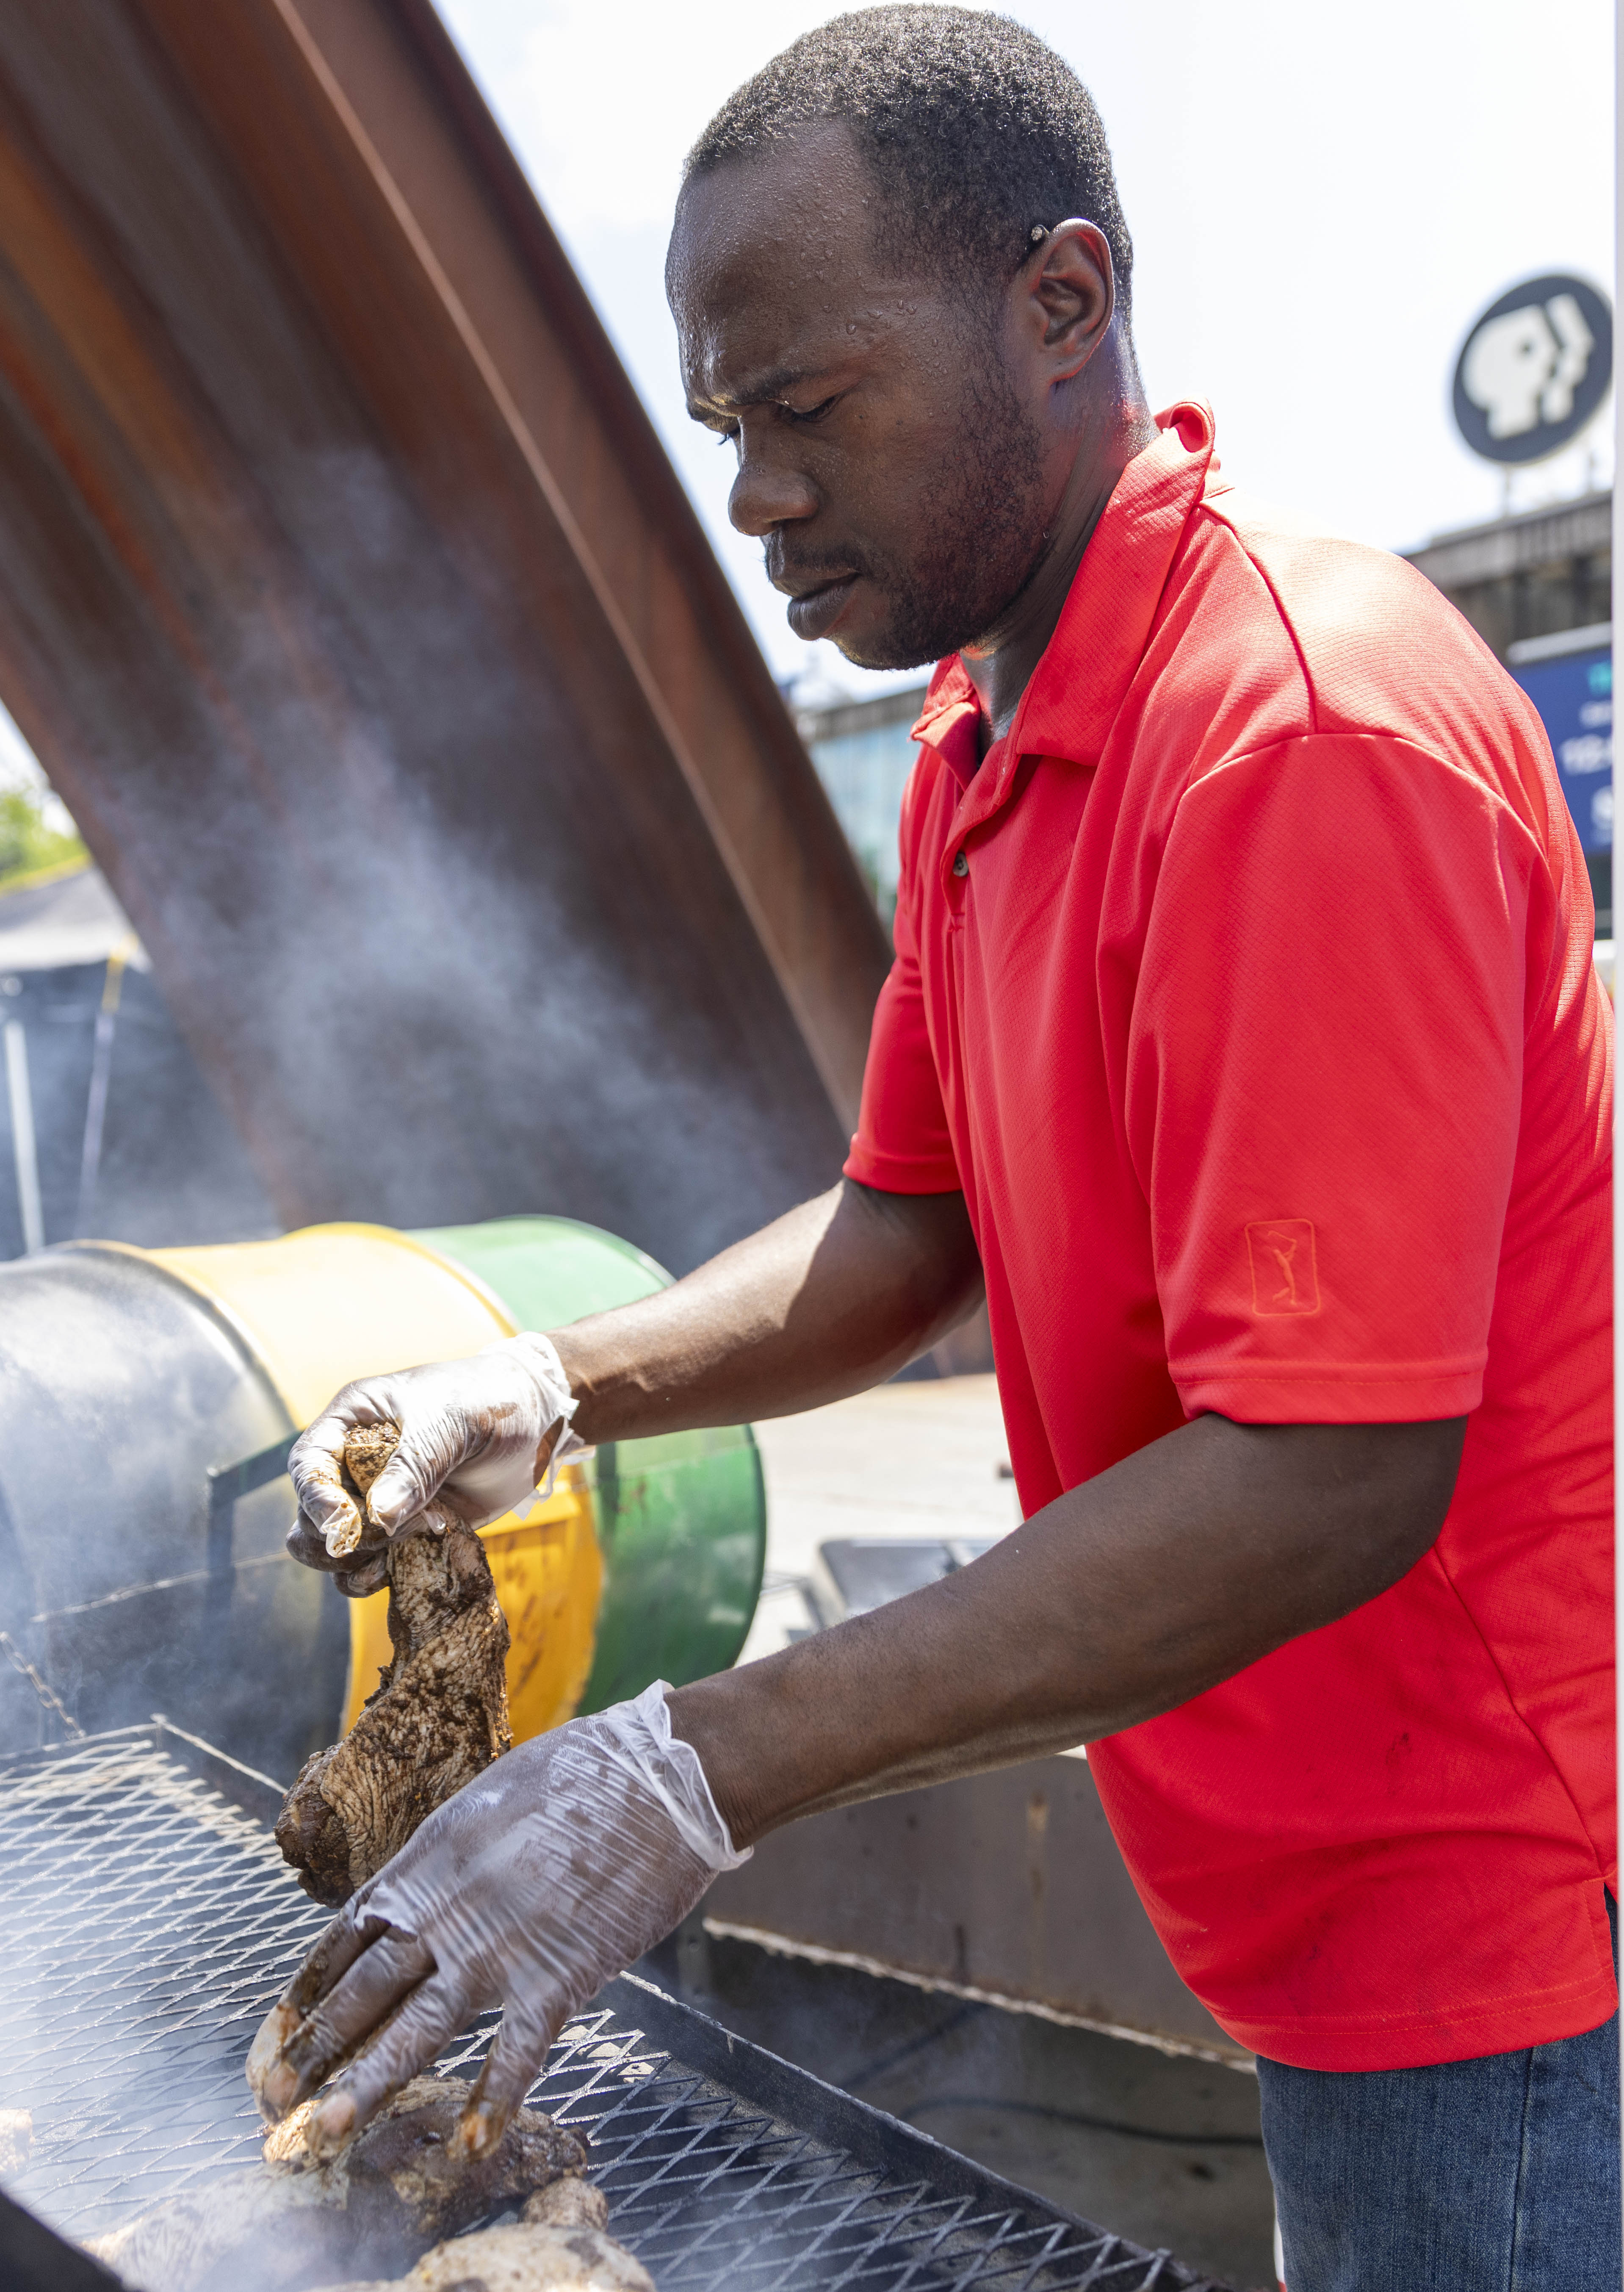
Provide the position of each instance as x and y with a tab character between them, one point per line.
147	1922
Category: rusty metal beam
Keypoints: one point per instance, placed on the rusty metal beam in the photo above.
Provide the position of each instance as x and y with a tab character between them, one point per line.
349	600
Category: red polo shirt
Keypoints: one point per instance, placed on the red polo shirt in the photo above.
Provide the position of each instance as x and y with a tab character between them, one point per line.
1245	989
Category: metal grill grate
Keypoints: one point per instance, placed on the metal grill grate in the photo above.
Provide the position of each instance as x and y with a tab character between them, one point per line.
147	1922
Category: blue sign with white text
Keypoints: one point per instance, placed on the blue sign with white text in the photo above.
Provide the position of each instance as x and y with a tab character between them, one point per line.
1574	697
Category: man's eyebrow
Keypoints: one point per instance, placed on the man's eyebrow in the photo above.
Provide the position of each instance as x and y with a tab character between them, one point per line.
763	389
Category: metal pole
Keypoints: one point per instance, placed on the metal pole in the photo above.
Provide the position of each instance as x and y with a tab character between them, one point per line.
25	1154
101	1076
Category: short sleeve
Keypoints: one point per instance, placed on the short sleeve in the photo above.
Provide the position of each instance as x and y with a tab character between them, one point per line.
1325	1079
903	1144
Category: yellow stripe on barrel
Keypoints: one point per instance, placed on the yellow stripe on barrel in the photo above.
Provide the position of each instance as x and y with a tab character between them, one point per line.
332	1302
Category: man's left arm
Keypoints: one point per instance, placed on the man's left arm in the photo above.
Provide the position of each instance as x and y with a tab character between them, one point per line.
1122	1599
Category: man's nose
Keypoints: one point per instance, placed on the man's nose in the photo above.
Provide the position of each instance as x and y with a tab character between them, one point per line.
766	493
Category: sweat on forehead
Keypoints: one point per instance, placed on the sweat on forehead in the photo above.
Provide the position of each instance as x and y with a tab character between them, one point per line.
974	133
798	220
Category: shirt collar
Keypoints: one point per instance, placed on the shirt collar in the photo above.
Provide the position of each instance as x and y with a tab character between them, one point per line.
1078	684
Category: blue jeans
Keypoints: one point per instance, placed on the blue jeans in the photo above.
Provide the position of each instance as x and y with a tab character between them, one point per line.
1493	2176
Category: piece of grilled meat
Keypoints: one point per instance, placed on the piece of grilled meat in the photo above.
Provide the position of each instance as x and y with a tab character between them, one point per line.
437	1718
400	2186
521	2259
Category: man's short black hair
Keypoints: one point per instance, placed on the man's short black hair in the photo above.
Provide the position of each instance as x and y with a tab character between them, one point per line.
976	131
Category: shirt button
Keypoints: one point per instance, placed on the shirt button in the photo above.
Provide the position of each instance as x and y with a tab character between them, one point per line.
962	865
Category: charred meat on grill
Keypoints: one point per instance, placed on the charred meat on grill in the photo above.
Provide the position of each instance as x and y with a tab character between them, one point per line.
569	2202
520	2260
437	1718
402	2184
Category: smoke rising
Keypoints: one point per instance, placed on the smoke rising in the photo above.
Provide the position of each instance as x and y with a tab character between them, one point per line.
442	964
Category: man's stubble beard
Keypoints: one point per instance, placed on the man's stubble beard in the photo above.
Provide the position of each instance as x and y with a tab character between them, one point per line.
984	539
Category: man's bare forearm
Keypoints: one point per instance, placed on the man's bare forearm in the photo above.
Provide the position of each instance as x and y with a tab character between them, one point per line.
829	1300
1122	1599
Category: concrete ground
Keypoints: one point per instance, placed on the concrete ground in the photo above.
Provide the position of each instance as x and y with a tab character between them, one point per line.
1164	2150
906	1460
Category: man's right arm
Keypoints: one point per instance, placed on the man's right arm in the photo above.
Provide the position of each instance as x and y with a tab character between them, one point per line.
829	1300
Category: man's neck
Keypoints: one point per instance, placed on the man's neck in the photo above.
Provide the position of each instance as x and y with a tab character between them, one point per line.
1000	665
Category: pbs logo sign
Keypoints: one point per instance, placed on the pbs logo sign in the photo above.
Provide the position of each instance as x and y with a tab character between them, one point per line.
1534	369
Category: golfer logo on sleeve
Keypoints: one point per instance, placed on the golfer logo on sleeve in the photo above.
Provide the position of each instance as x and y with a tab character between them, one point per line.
1285	1278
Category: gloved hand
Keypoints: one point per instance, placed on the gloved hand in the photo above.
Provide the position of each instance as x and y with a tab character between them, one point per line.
476	1436
532	1886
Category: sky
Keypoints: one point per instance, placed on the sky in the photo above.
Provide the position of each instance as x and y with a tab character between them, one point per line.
1322	198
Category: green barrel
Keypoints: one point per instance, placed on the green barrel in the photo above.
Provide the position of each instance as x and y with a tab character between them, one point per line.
681	1519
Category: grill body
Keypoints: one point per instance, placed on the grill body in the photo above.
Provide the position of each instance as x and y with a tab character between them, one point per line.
147	1923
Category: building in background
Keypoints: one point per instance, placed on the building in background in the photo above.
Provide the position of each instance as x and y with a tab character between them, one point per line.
1534	372
863	751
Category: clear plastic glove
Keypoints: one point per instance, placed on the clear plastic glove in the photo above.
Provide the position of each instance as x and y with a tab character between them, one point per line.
531	1887
476	1436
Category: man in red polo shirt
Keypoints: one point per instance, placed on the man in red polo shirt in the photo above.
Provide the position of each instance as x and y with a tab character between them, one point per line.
1244	1044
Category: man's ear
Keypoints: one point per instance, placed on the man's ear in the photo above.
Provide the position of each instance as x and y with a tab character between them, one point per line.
1068	295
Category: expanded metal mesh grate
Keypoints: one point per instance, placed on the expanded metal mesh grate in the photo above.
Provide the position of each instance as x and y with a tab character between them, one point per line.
147	1924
